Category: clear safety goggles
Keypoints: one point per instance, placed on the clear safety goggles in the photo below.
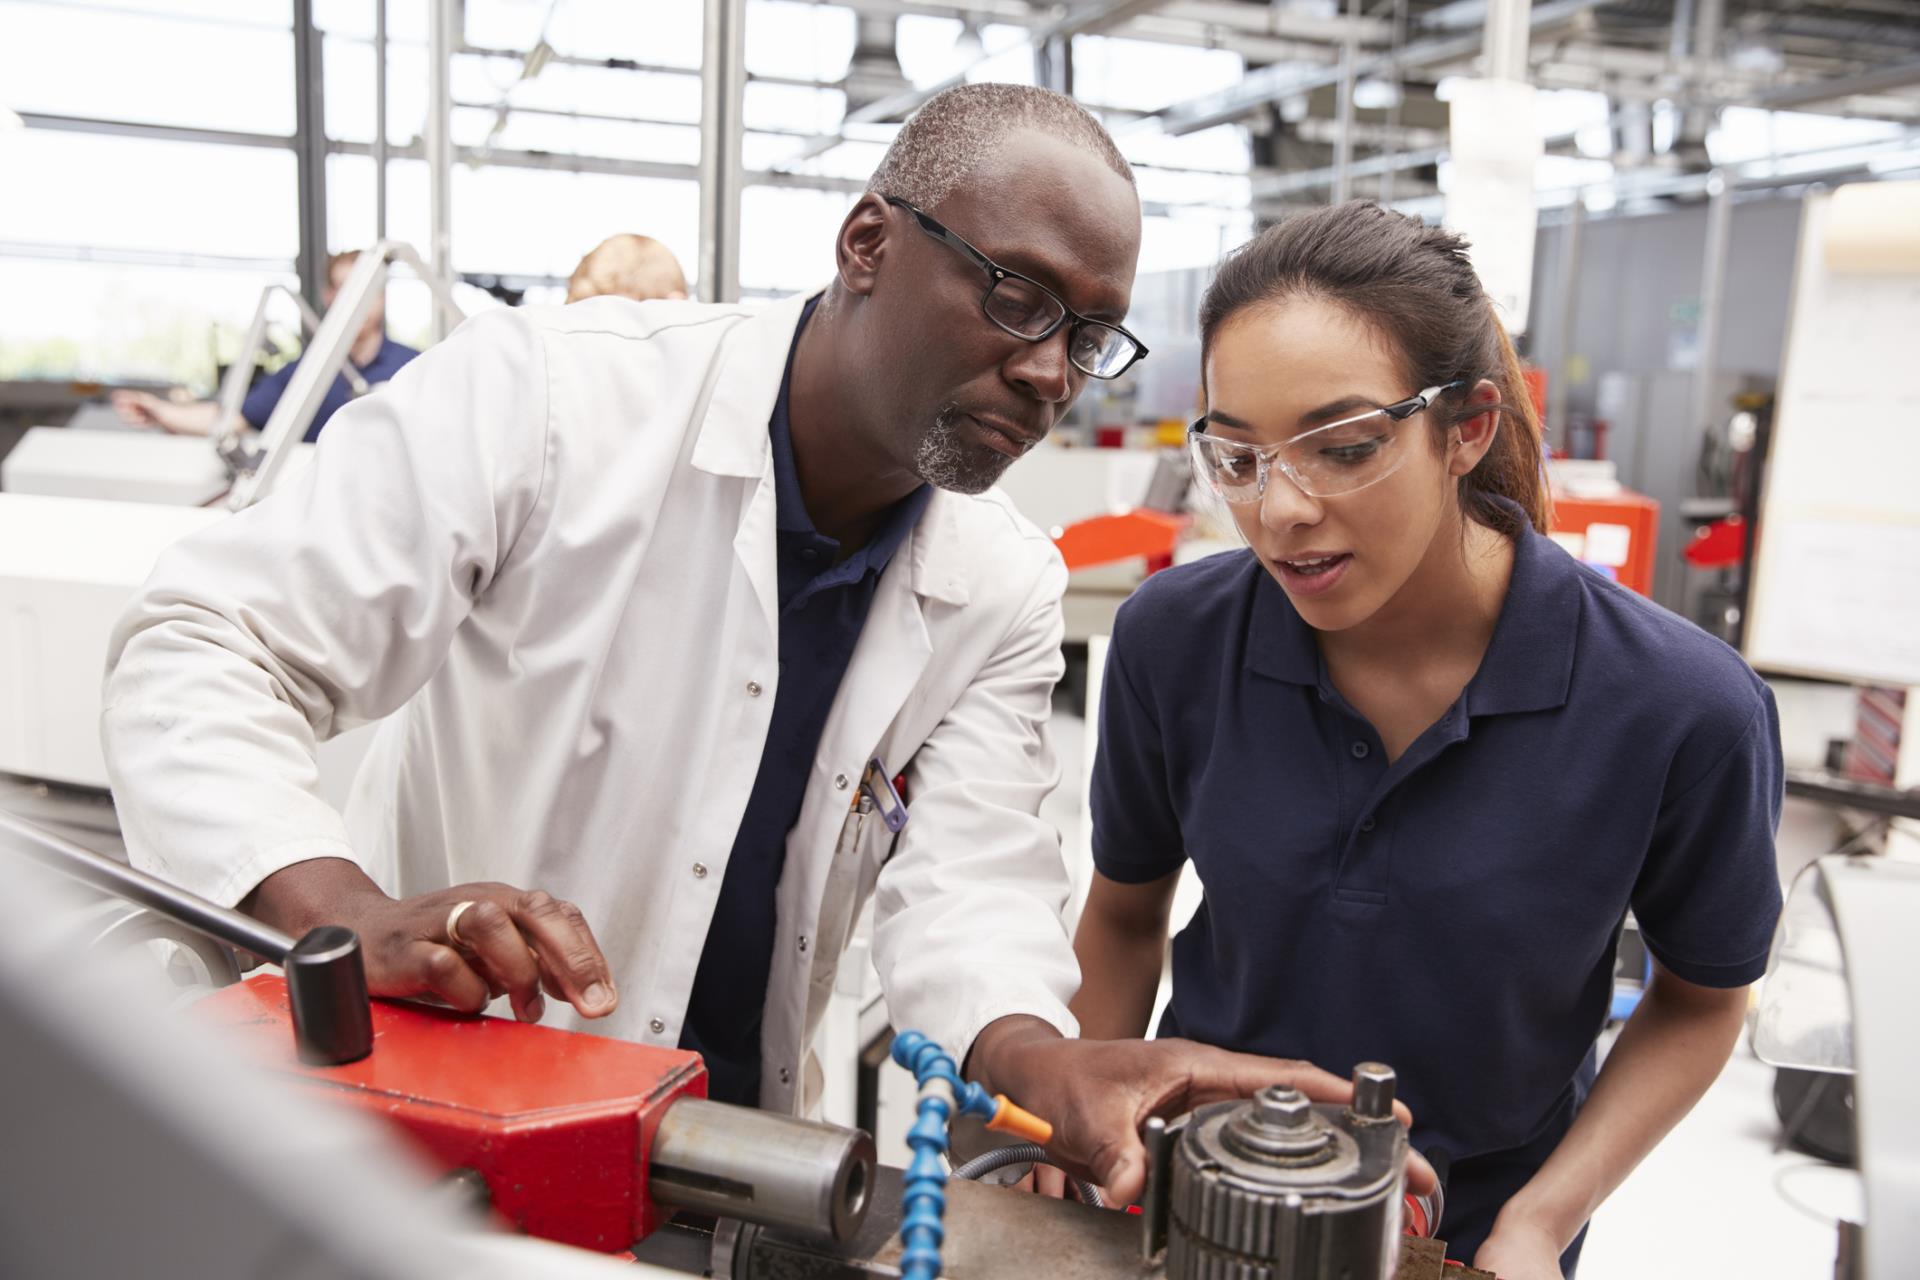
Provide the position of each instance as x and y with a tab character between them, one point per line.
1341	457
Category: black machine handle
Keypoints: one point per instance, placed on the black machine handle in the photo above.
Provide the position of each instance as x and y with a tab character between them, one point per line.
326	975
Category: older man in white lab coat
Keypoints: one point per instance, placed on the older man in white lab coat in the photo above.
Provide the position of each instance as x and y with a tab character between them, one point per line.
643	589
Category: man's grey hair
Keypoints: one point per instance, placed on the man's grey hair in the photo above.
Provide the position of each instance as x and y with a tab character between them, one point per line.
947	138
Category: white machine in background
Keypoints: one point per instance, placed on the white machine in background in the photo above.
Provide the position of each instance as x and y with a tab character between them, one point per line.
193	471
85	514
1838	997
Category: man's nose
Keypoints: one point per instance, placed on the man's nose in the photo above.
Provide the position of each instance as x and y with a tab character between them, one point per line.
1042	370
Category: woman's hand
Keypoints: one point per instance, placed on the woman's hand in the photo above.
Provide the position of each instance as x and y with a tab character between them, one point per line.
1520	1250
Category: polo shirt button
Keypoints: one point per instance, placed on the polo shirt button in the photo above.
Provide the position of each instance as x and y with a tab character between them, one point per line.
699	871
803	942
786	1076
753	688
1366	823
1360	750
656	1026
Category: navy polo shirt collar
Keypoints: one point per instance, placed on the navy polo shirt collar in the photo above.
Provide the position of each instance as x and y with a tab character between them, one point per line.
1528	664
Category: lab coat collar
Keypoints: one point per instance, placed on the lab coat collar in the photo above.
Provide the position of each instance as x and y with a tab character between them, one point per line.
733	442
937	569
733	435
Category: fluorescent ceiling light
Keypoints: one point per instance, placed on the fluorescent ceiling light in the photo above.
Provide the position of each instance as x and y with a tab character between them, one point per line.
1376	95
1894	162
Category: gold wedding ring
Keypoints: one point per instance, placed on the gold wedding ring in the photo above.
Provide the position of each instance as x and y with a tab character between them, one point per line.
453	921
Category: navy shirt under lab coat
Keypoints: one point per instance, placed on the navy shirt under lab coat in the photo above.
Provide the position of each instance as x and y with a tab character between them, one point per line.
266	393
1454	913
823	606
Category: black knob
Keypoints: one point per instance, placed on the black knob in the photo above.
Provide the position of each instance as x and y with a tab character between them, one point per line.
327	989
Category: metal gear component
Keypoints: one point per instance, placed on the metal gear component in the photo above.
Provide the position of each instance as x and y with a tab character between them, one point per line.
1278	1188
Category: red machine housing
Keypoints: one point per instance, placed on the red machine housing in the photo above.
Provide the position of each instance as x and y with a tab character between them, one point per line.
528	1108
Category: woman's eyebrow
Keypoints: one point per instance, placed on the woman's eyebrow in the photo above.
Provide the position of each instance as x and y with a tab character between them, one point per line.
1335	408
1325	413
1228	420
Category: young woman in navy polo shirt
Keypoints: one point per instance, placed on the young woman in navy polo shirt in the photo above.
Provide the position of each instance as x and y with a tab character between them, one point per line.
1421	759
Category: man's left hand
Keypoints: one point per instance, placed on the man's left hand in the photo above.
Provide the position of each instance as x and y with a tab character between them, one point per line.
1520	1250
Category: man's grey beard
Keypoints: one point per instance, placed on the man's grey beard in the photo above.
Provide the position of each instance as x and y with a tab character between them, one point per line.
946	459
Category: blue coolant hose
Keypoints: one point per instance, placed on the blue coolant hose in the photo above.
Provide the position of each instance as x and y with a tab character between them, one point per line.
943	1095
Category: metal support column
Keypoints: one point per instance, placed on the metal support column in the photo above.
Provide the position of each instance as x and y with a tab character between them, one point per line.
438	144
1053	64
1694	123
722	124
1713	288
1509	27
1557	386
1343	138
379	119
310	151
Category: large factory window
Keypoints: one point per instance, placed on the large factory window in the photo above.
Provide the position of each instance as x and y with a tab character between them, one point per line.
103	62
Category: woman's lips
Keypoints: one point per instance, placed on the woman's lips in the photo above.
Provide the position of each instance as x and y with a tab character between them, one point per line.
1312	575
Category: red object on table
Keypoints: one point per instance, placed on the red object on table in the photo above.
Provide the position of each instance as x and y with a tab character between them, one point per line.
1536	380
1104	539
560	1124
1640	515
1719	545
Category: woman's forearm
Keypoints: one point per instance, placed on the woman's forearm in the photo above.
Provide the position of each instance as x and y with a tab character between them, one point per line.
1119	978
1122	952
1667	1056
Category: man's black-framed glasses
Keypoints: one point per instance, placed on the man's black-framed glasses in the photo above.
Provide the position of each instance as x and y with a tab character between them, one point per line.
1029	310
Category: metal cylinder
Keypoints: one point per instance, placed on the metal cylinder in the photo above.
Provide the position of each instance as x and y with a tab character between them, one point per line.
762	1168
1373	1084
1276	1188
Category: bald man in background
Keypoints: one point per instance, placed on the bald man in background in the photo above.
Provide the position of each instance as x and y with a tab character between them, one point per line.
628	266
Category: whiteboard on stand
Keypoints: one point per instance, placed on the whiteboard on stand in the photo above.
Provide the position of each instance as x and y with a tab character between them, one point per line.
1836	590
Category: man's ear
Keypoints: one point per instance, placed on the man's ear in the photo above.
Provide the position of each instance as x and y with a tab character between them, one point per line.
861	244
1473	436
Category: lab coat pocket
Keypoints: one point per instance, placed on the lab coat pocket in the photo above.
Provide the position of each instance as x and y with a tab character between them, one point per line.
846	886
840	902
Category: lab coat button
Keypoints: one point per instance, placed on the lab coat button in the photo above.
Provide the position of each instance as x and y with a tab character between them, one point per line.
699	871
656	1026
753	688
840	782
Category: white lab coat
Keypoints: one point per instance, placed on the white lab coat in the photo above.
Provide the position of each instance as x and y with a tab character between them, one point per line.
546	551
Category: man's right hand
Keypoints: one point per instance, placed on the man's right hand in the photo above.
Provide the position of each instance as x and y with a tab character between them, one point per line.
512	942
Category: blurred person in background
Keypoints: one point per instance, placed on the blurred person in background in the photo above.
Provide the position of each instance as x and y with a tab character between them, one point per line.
628	266
374	354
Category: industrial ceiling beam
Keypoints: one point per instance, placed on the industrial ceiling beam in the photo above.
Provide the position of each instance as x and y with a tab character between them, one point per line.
1224	18
1788	97
1280	185
1088	19
1273	83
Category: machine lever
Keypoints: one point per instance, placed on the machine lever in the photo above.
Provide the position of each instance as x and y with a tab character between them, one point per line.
326	975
